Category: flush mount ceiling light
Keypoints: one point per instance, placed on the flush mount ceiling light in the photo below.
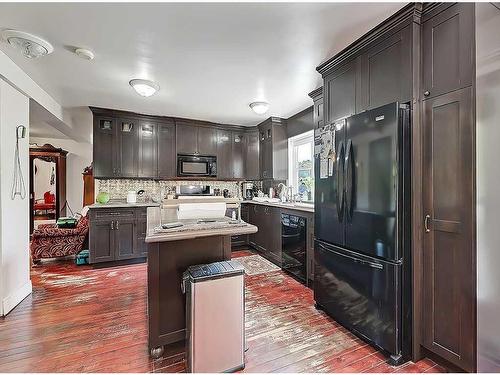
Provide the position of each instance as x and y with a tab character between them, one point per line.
84	53
30	45
259	107
144	87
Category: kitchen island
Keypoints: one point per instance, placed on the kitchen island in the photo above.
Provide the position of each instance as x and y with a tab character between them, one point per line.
170	253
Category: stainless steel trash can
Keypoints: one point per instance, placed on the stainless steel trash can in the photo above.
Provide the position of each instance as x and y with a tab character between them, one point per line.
215	316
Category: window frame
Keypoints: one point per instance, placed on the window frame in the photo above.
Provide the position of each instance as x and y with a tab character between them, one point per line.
293	143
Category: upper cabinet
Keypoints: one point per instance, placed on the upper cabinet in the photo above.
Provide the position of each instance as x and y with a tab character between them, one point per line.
273	149
105	147
317	97
194	139
147	148
386	71
342	91
251	157
224	167
238	145
448	52
167	158
128	145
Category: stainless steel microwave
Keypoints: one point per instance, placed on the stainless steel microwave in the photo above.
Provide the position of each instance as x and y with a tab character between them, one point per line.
196	166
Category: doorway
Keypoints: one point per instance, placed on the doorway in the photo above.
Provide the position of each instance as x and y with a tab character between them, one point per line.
47	185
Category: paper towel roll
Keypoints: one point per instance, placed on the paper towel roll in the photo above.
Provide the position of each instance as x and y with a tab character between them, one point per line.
211	210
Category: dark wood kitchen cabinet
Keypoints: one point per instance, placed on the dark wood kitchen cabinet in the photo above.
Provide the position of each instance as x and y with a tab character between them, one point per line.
267	240
127	150
105	146
148	149
194	139
342	91
167	158
252	165
448	49
386	71
273	149
117	234
224	162
449	261
317	97
238	145
186	138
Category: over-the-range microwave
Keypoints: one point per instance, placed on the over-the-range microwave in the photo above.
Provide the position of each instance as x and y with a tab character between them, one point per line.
196	165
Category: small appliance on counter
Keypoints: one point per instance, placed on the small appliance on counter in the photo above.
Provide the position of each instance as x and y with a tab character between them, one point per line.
193	190
248	190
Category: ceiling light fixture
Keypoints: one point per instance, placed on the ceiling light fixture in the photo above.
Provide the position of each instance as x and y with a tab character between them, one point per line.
259	107
30	45
144	87
84	53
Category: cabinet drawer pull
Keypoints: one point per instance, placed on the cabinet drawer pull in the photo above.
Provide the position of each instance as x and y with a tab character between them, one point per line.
117	222
426	93
112	225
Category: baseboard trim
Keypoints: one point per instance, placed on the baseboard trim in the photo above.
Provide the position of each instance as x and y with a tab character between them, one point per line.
16	297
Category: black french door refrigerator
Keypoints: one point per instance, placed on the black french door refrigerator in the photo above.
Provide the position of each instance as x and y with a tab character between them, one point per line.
362	275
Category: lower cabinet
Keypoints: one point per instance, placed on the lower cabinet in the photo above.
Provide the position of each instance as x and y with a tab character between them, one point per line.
117	234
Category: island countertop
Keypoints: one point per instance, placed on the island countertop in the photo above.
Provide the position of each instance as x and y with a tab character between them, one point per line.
192	228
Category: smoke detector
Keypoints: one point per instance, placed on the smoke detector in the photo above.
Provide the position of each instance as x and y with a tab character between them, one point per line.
30	45
84	53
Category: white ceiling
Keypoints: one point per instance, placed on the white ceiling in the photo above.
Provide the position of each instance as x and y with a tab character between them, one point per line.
210	59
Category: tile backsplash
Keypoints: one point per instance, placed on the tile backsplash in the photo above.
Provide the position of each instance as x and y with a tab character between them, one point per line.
118	188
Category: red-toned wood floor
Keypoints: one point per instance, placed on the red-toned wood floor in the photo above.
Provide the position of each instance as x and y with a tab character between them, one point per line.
84	319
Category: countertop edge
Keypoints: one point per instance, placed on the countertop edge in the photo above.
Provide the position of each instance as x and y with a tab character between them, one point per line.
279	205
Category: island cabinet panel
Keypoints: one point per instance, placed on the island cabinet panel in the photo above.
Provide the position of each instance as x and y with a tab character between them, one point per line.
167	165
148	149
128	149
105	147
238	155
224	170
252	169
187	138
448	49
342	91
386	74
167	261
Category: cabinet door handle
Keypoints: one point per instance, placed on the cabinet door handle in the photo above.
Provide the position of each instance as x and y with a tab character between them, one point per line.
112	225
116	224
426	93
426	223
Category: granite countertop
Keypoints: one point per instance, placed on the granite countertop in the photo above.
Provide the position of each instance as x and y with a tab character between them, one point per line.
290	206
123	204
191	229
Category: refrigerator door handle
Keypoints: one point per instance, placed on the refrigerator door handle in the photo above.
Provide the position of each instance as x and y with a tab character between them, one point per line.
349	183
340	182
356	260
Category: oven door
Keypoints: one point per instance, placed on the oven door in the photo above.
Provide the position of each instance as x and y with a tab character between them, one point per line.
192	166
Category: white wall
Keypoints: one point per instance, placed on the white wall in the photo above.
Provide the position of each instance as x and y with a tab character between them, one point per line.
488	186
79	156
15	282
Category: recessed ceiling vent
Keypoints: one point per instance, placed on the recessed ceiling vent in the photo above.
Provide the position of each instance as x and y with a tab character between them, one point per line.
29	45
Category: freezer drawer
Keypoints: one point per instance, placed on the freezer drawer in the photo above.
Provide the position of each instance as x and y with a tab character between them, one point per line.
361	293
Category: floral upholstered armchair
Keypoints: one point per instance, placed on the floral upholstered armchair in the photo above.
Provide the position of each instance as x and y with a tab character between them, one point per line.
49	241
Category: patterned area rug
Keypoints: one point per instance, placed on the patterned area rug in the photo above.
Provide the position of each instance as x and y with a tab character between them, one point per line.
255	265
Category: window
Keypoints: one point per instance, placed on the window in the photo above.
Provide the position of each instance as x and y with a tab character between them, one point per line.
301	165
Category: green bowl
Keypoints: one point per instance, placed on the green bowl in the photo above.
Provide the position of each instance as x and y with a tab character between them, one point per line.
102	197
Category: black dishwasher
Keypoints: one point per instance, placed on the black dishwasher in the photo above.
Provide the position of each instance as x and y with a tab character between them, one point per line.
294	245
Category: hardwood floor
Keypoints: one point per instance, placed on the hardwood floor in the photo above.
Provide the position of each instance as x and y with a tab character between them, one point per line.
85	319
